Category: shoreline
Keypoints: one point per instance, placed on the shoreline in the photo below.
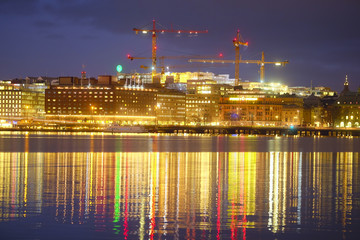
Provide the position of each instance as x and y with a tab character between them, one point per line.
212	130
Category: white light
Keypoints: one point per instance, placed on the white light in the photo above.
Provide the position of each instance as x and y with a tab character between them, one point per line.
144	32
277	64
243	99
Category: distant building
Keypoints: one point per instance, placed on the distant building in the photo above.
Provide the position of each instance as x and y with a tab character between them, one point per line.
202	101
104	103
21	100
313	111
267	87
308	91
170	107
254	109
347	108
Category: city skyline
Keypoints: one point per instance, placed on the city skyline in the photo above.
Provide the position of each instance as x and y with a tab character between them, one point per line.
61	38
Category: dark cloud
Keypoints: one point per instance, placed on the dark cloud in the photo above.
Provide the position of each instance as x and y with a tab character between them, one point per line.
44	24
88	37
18	7
54	36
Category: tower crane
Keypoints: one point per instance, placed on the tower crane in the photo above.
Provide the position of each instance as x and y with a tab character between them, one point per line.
181	66
161	58
154	32
237	42
259	62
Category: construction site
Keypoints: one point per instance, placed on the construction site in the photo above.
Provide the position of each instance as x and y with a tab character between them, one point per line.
162	73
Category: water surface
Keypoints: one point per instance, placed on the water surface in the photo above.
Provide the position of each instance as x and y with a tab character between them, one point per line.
78	186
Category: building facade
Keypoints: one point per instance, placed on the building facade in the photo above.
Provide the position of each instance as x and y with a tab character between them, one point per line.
101	104
246	109
19	101
170	107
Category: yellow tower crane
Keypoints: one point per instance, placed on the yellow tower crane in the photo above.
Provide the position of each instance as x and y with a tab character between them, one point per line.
259	62
161	58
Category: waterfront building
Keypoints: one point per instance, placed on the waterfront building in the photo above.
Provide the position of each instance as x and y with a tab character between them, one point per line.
202	109
19	100
347	108
246	108
10	102
292	109
292	115
313	111
102	104
170	107
202	101
329	113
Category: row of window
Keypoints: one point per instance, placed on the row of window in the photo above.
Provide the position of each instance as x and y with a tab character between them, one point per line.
71	92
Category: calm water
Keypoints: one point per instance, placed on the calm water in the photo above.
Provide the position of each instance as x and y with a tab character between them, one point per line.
81	186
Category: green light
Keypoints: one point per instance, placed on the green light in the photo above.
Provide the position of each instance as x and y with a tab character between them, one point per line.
118	68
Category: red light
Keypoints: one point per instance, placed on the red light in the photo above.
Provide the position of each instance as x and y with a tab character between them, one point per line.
220	55
247	43
155	47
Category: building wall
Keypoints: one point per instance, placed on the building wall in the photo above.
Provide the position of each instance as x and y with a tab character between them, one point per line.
260	110
291	115
202	109
101	104
80	101
135	101
10	103
170	108
23	101
347	112
250	113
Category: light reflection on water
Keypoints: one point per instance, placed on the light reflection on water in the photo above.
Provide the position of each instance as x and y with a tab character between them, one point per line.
186	195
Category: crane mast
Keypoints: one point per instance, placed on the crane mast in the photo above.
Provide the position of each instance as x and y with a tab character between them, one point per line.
153	53
237	42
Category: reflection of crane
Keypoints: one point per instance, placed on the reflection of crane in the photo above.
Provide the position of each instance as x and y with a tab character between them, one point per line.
259	62
154	31
162	66
237	42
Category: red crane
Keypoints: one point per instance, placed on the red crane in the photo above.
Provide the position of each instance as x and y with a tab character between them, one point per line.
237	42
154	32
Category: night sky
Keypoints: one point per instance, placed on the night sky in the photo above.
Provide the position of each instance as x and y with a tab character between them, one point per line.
320	38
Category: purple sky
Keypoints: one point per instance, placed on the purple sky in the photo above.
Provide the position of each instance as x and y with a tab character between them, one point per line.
320	39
